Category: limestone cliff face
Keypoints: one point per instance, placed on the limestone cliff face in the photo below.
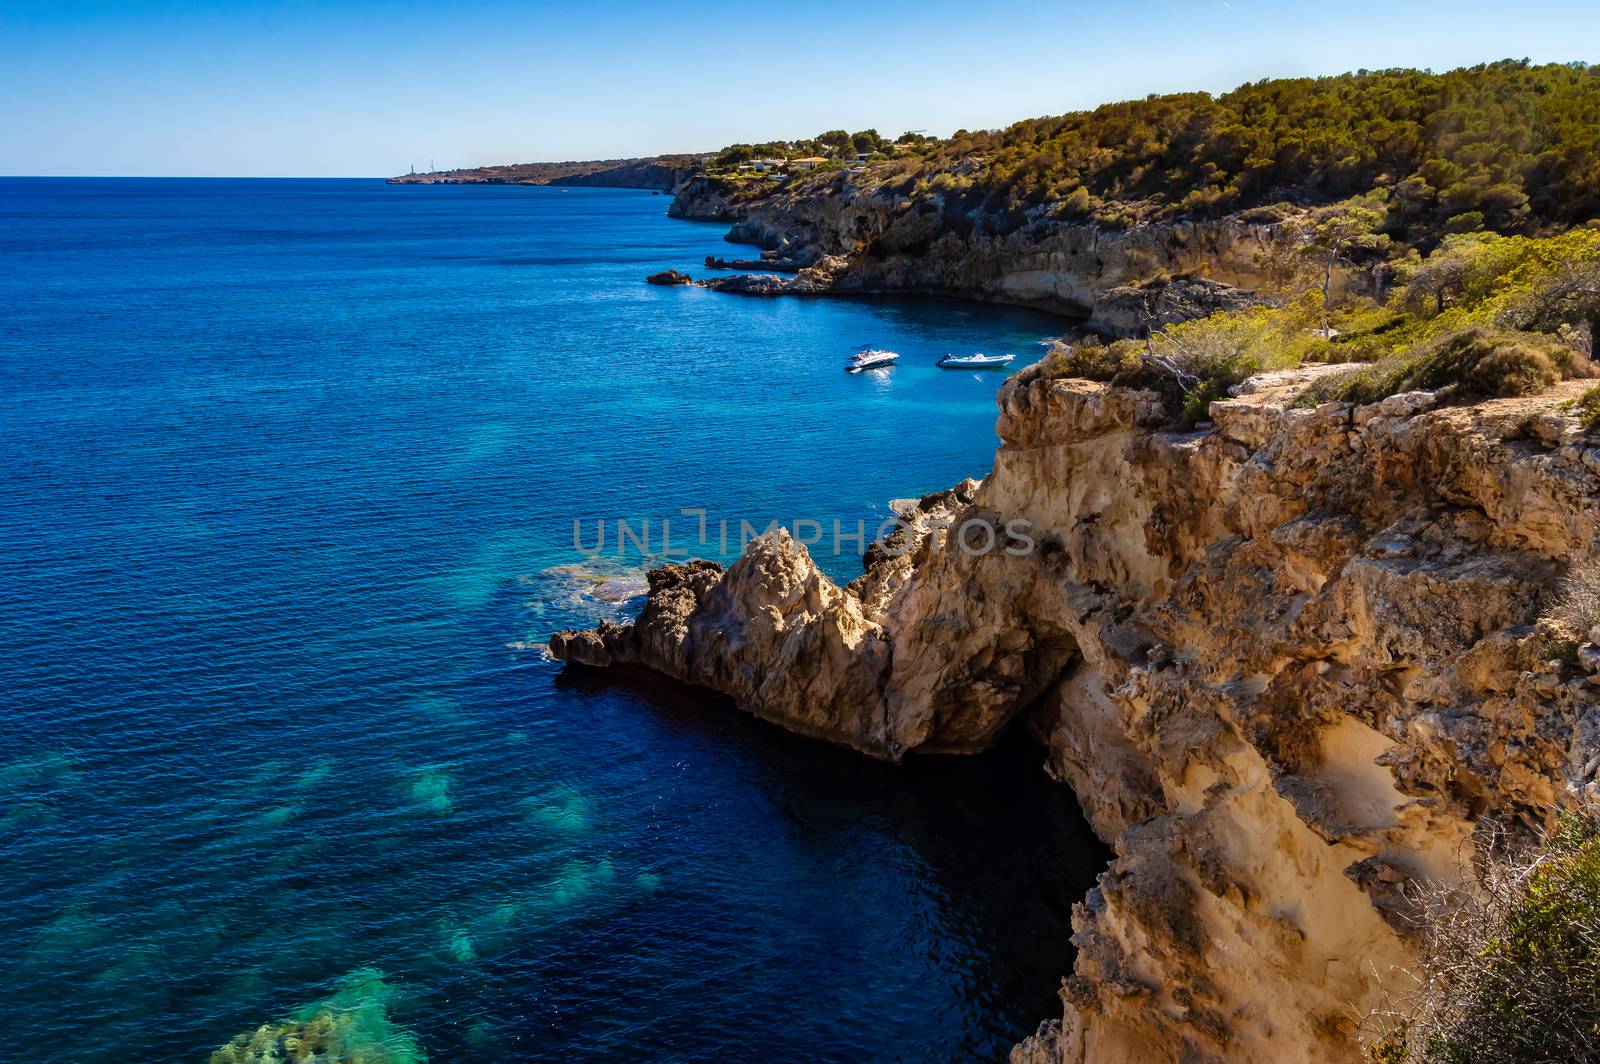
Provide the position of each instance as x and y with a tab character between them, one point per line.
865	237
705	200
1288	664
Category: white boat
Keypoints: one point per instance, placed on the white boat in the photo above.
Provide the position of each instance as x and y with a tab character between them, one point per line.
978	361
870	358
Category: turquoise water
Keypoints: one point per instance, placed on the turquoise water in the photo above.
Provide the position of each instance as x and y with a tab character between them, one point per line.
288	473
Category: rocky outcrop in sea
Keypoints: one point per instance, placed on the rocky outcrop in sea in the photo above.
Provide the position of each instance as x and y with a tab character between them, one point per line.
1290	664
774	264
352	1024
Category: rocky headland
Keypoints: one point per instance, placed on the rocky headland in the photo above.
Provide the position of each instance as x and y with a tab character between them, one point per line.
852	233
1291	663
662	173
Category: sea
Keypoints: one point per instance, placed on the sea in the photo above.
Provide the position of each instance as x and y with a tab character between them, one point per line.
296	479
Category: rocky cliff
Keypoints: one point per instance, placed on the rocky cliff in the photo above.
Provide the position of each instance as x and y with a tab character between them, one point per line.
861	235
1290	664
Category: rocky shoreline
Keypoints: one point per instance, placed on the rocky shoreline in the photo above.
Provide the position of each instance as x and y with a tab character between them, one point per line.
774	264
1289	664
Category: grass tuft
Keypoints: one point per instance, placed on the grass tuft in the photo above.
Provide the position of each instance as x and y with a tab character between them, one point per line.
1577	603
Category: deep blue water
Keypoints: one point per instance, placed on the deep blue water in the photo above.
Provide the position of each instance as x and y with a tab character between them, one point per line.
288	471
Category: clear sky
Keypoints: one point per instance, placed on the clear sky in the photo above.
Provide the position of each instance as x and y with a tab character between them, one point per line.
285	87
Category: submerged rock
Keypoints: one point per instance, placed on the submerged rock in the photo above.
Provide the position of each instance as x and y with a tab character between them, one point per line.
592	583
351	1025
1290	665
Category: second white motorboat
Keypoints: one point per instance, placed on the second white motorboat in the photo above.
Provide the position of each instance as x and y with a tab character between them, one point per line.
978	361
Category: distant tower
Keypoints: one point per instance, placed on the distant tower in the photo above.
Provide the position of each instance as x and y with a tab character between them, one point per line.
432	169
413	169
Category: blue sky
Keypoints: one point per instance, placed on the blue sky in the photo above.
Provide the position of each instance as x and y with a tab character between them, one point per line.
278	87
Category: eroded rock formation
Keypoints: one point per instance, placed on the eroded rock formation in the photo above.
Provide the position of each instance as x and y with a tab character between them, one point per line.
1288	664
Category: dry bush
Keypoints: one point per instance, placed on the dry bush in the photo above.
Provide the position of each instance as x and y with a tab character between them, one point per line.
1577	603
1482	361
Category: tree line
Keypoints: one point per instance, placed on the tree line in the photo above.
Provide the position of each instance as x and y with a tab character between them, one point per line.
1509	147
834	144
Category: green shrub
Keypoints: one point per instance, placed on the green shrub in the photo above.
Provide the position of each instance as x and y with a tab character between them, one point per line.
1368	384
1126	364
1587	407
1091	360
1474	361
1557	649
1268	214
1511	973
1366	334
